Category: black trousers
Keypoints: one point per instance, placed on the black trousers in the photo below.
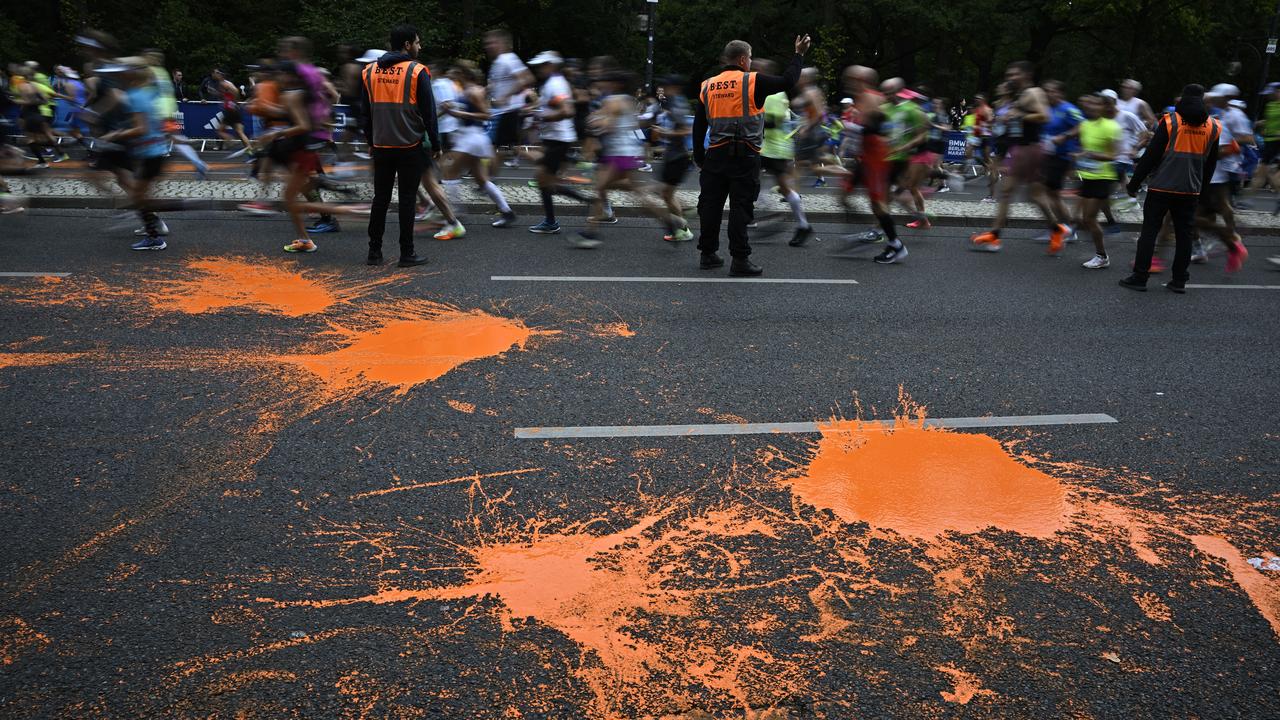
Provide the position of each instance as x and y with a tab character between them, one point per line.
390	164
1182	210
734	175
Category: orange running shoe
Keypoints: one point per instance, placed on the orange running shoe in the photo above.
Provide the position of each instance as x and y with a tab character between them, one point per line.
1056	238
985	242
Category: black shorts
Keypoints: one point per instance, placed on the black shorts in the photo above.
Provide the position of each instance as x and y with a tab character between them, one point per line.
1271	151
775	166
149	168
507	129
232	117
35	123
1096	189
554	154
674	169
897	170
1055	171
1213	195
112	160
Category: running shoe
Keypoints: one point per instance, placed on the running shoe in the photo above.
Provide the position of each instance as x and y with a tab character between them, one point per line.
610	219
645	168
300	246
988	199
546	228
1133	282
451	232
683	234
922	224
1097	263
1237	253
512	163
42	165
891	255
62	157
1157	266
142	231
584	240
325	226
238	153
362	155
507	220
1199	256
985	242
820	182
800	237
1057	238
258	208
428	214
1112	229
155	243
1126	205
955	183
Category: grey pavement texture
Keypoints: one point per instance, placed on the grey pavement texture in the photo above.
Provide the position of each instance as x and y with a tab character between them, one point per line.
197	526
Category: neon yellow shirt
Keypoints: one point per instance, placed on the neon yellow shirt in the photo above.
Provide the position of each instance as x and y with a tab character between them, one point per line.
1100	135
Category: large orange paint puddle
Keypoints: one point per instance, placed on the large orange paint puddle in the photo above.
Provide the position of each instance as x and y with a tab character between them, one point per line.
415	345
268	286
922	482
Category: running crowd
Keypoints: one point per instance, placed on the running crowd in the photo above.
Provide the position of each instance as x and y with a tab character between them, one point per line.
430	127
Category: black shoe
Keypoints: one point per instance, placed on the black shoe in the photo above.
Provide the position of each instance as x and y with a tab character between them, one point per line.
1133	282
375	258
743	267
801	237
1172	286
710	261
411	260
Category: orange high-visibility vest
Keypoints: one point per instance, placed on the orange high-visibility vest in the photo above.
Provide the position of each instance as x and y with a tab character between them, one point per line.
393	104
1181	170
732	114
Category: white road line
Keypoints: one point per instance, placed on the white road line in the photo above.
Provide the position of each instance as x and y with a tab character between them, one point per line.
34	274
599	431
609	279
1234	287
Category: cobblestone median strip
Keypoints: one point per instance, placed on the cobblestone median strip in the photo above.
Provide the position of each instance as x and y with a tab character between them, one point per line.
527	200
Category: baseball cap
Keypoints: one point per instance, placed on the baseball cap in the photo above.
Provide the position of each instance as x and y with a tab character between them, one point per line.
371	55
1224	90
1110	94
1238	104
547	56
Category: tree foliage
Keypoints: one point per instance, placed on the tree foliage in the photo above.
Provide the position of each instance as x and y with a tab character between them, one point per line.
955	47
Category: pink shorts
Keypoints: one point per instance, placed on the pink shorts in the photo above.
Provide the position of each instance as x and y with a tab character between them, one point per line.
924	158
621	163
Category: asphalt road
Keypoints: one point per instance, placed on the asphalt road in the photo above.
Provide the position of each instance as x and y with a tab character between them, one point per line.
229	494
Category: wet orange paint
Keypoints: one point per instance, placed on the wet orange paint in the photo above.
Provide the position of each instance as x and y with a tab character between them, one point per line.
966	686
411	348
1264	592
8	360
924	482
219	283
1153	607
462	407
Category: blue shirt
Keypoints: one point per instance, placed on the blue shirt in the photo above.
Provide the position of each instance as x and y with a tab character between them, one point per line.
152	143
1063	118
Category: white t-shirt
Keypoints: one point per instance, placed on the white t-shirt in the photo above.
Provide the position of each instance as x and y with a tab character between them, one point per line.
1132	105
560	130
1227	164
503	83
1131	128
1237	122
444	91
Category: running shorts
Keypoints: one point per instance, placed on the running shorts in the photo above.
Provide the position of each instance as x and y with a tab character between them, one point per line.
34	123
231	117
928	157
1055	171
1095	189
554	154
1022	163
149	168
875	169
506	129
472	140
775	166
621	163
674	169
809	144
111	160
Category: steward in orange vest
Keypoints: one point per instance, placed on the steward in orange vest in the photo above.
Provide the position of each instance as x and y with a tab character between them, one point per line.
729	114
1178	164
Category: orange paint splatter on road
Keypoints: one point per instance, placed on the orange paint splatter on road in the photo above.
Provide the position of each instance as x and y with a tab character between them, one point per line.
462	407
1153	607
966	686
923	482
419	344
617	329
266	286
1136	532
1263	591
18	638
8	360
